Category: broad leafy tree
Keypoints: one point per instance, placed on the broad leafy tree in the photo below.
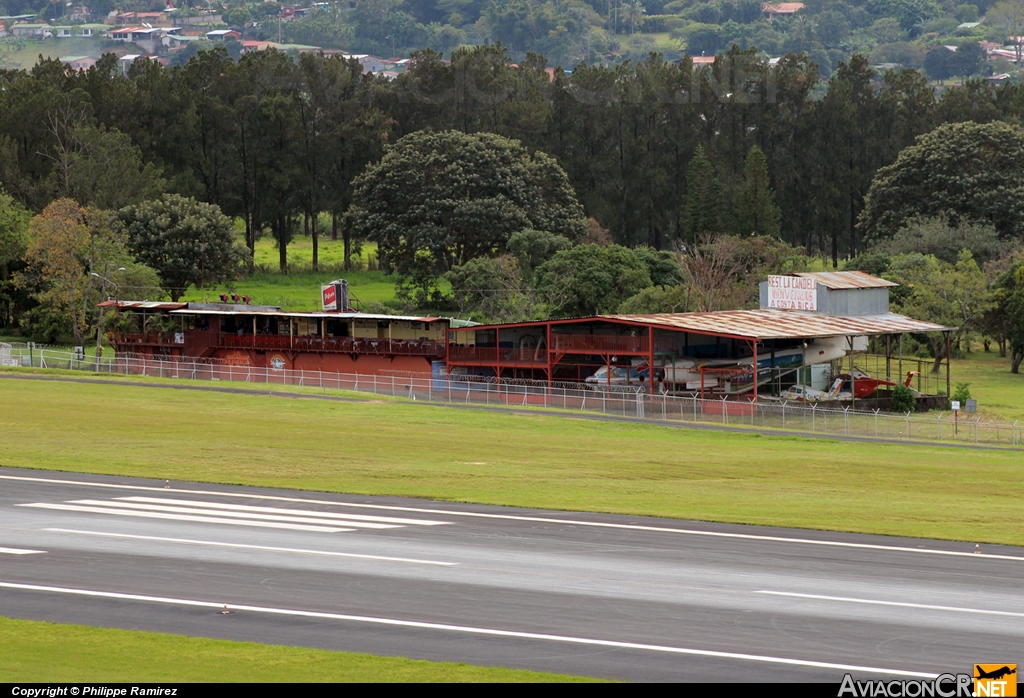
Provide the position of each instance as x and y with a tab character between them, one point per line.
954	295
532	248
71	250
437	200
936	236
592	279
187	242
14	220
966	171
1009	307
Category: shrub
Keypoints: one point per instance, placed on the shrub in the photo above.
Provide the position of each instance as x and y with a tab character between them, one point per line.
962	393
903	399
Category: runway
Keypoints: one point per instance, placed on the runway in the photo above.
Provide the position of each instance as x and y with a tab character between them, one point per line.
621	597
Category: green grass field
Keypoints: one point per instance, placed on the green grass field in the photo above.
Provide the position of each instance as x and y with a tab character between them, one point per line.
1000	394
300	288
23	53
39	652
530	460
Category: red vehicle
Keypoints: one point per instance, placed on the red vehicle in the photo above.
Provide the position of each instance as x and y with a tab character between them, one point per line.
866	386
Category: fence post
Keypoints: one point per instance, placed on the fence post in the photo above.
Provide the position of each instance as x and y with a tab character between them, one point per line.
725	412
907	418
783	414
814	417
938	427
876	421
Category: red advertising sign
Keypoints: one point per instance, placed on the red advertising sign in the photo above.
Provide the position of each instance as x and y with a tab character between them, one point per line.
330	294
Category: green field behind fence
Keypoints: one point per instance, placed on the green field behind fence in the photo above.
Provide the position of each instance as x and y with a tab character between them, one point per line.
299	289
40	652
520	459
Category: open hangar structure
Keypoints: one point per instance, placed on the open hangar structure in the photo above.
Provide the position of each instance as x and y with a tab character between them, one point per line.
805	319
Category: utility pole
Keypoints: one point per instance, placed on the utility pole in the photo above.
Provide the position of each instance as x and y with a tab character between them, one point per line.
99	319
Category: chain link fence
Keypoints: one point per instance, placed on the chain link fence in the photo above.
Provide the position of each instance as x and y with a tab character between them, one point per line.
621	401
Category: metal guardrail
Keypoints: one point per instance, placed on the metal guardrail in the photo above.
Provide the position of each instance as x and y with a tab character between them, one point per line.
622	401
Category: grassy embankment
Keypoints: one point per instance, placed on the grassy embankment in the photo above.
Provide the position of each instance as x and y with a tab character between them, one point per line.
300	288
24	52
530	460
35	651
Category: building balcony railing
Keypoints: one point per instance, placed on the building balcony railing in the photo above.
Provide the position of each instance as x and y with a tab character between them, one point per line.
151	339
496	355
343	345
599	343
267	342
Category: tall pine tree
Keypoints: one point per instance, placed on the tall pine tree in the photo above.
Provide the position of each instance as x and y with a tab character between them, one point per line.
704	205
757	213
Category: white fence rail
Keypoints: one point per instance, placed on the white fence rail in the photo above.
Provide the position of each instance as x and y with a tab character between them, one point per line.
632	403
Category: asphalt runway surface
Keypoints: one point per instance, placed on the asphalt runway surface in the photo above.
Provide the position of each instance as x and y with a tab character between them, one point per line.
621	597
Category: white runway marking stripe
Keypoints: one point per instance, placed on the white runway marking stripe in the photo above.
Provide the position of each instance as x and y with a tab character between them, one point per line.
273	510
19	551
566	639
903	604
184	517
228	514
242	546
537	519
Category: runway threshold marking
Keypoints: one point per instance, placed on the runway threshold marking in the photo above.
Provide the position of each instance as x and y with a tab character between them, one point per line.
311	518
243	546
19	551
567	639
184	517
277	510
903	604
535	519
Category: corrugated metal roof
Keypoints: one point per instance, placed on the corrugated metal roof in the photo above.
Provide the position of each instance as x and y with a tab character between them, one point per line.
770	323
143	305
836	280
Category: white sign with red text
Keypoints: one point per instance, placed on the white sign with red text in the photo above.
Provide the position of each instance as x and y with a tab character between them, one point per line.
792	293
330	295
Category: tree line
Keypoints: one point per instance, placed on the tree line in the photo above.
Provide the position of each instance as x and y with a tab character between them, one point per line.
269	139
658	155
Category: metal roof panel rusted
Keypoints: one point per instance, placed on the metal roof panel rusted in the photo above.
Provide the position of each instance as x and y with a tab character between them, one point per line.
770	323
841	280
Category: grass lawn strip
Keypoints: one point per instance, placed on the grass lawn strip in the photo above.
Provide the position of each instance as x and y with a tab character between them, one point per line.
528	460
41	652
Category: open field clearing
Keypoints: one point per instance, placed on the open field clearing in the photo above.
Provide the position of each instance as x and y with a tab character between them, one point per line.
1000	394
36	651
23	52
300	289
530	460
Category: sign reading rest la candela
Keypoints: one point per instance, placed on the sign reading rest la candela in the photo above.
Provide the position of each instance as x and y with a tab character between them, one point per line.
792	293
